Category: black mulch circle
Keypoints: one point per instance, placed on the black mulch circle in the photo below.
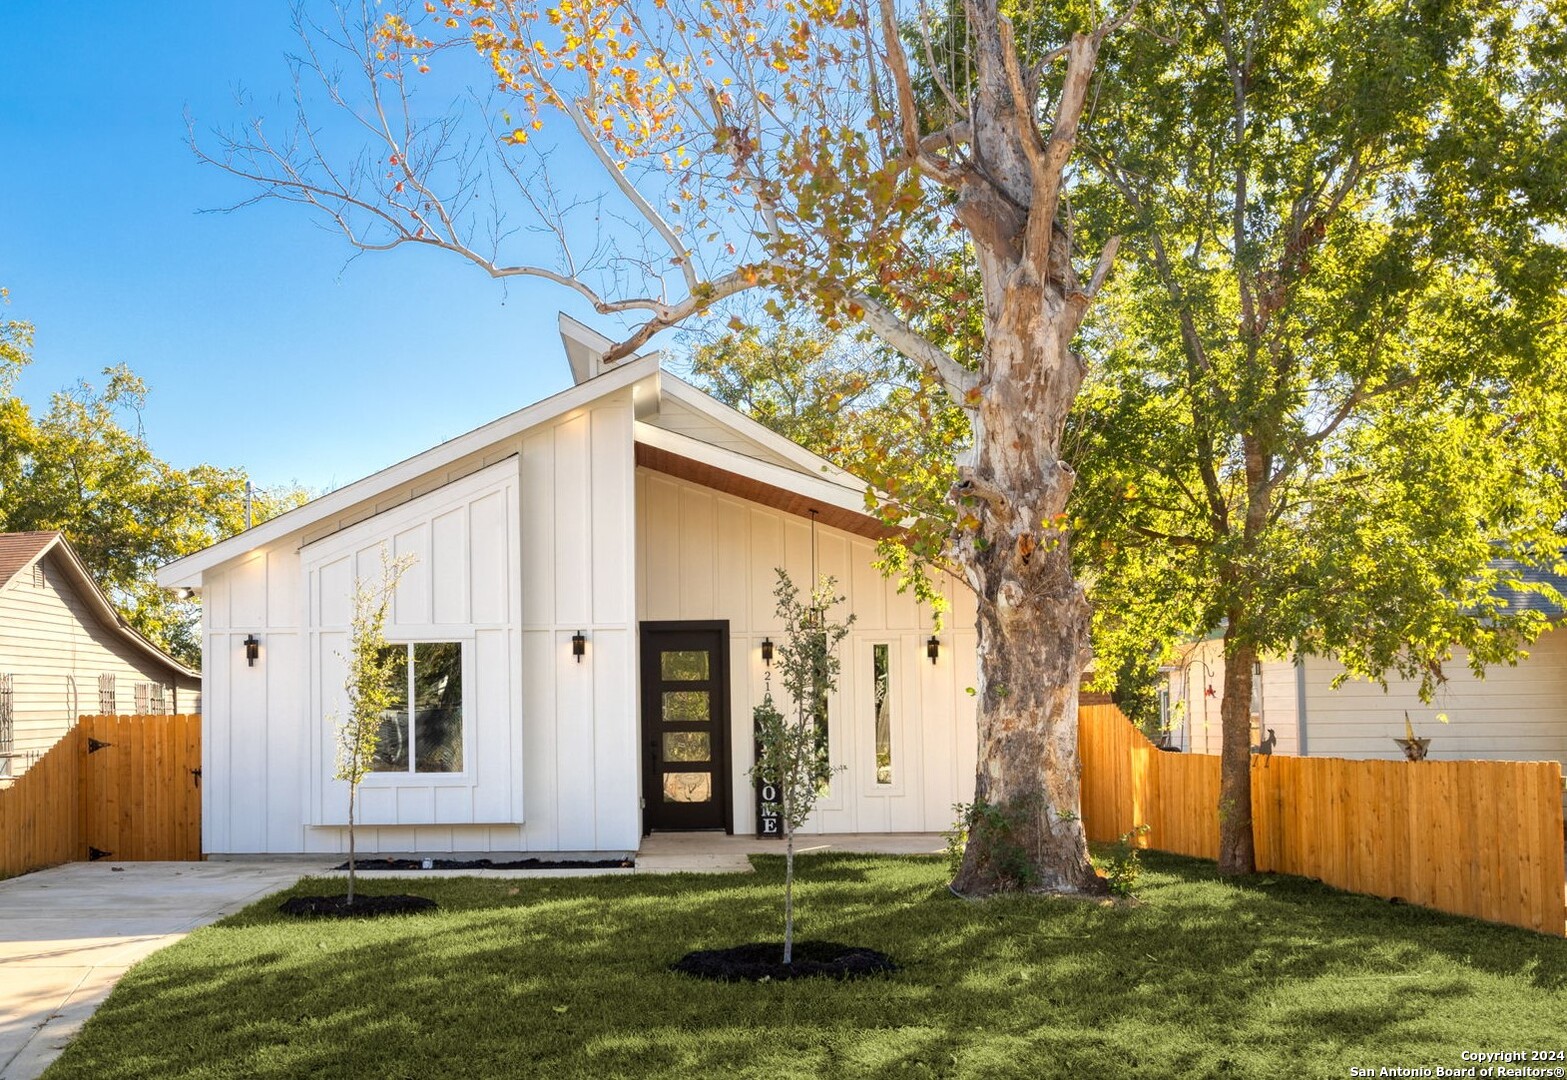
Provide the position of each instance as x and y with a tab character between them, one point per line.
489	864
762	961
338	907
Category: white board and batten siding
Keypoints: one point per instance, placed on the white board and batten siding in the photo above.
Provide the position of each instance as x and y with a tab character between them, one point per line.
511	559
703	555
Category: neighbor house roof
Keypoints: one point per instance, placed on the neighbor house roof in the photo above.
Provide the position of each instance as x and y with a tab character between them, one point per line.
1525	596
19	552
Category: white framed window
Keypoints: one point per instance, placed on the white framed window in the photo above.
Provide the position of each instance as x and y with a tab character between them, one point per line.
106	703
422	731
160	700
143	698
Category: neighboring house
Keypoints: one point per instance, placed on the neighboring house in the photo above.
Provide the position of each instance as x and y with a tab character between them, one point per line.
65	651
584	633
1516	712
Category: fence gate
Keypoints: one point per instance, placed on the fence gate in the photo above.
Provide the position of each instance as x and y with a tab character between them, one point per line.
141	787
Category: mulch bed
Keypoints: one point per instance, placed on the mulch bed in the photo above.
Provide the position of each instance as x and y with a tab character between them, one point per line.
762	961
338	907
489	864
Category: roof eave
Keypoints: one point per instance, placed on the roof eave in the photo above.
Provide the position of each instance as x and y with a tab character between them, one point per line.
187	572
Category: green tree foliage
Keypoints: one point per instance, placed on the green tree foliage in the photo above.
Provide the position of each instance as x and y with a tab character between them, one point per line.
84	467
792	745
1331	379
371	664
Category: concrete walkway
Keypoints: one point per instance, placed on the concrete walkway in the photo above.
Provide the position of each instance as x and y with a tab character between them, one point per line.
68	934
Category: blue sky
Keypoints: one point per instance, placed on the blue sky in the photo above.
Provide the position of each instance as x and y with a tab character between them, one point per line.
263	345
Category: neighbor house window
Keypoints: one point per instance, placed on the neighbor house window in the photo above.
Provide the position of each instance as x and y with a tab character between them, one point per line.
160	701
106	702
143	698
7	726
881	675
421	731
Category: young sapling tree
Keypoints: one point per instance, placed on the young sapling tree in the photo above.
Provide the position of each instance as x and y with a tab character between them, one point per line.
792	745
370	663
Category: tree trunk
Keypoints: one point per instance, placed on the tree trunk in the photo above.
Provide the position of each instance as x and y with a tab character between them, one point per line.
1236	849
1033	617
351	793
789	897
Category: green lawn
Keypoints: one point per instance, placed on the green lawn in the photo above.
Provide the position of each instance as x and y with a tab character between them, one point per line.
567	978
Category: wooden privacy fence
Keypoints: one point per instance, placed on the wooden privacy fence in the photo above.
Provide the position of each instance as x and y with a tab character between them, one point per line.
122	787
1481	838
41	812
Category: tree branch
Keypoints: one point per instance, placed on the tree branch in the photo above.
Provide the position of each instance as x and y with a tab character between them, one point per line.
959	381
633	196
908	113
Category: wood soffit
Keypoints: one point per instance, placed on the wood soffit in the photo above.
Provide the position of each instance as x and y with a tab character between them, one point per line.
744	487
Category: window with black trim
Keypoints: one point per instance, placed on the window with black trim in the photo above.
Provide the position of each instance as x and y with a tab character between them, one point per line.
881	675
421	731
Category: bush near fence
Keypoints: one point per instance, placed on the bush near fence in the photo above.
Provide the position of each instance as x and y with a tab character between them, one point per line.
1480	838
124	786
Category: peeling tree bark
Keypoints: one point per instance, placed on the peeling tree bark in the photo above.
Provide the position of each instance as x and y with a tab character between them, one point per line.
1033	617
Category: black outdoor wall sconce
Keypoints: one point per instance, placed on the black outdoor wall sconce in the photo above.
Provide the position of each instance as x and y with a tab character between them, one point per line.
579	645
767	651
252	650
933	648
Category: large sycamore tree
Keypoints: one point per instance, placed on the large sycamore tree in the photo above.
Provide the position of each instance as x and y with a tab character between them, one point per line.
784	146
1328	410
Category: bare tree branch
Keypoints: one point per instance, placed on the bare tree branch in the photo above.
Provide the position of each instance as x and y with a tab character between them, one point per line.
908	113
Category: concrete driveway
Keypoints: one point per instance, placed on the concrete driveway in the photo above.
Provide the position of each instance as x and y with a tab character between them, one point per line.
68	934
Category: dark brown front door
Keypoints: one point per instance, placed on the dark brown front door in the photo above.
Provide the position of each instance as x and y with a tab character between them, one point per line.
685	726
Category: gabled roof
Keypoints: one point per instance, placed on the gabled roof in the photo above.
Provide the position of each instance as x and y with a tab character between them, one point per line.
783	474
19	552
187	571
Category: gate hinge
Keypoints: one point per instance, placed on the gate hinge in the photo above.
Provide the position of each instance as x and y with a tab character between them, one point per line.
197	774
94	854
95	745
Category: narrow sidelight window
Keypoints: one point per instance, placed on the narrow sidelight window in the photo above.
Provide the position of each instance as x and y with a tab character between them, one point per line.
881	669
421	729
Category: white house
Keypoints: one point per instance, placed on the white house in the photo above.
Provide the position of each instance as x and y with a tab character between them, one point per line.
585	623
1516	712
